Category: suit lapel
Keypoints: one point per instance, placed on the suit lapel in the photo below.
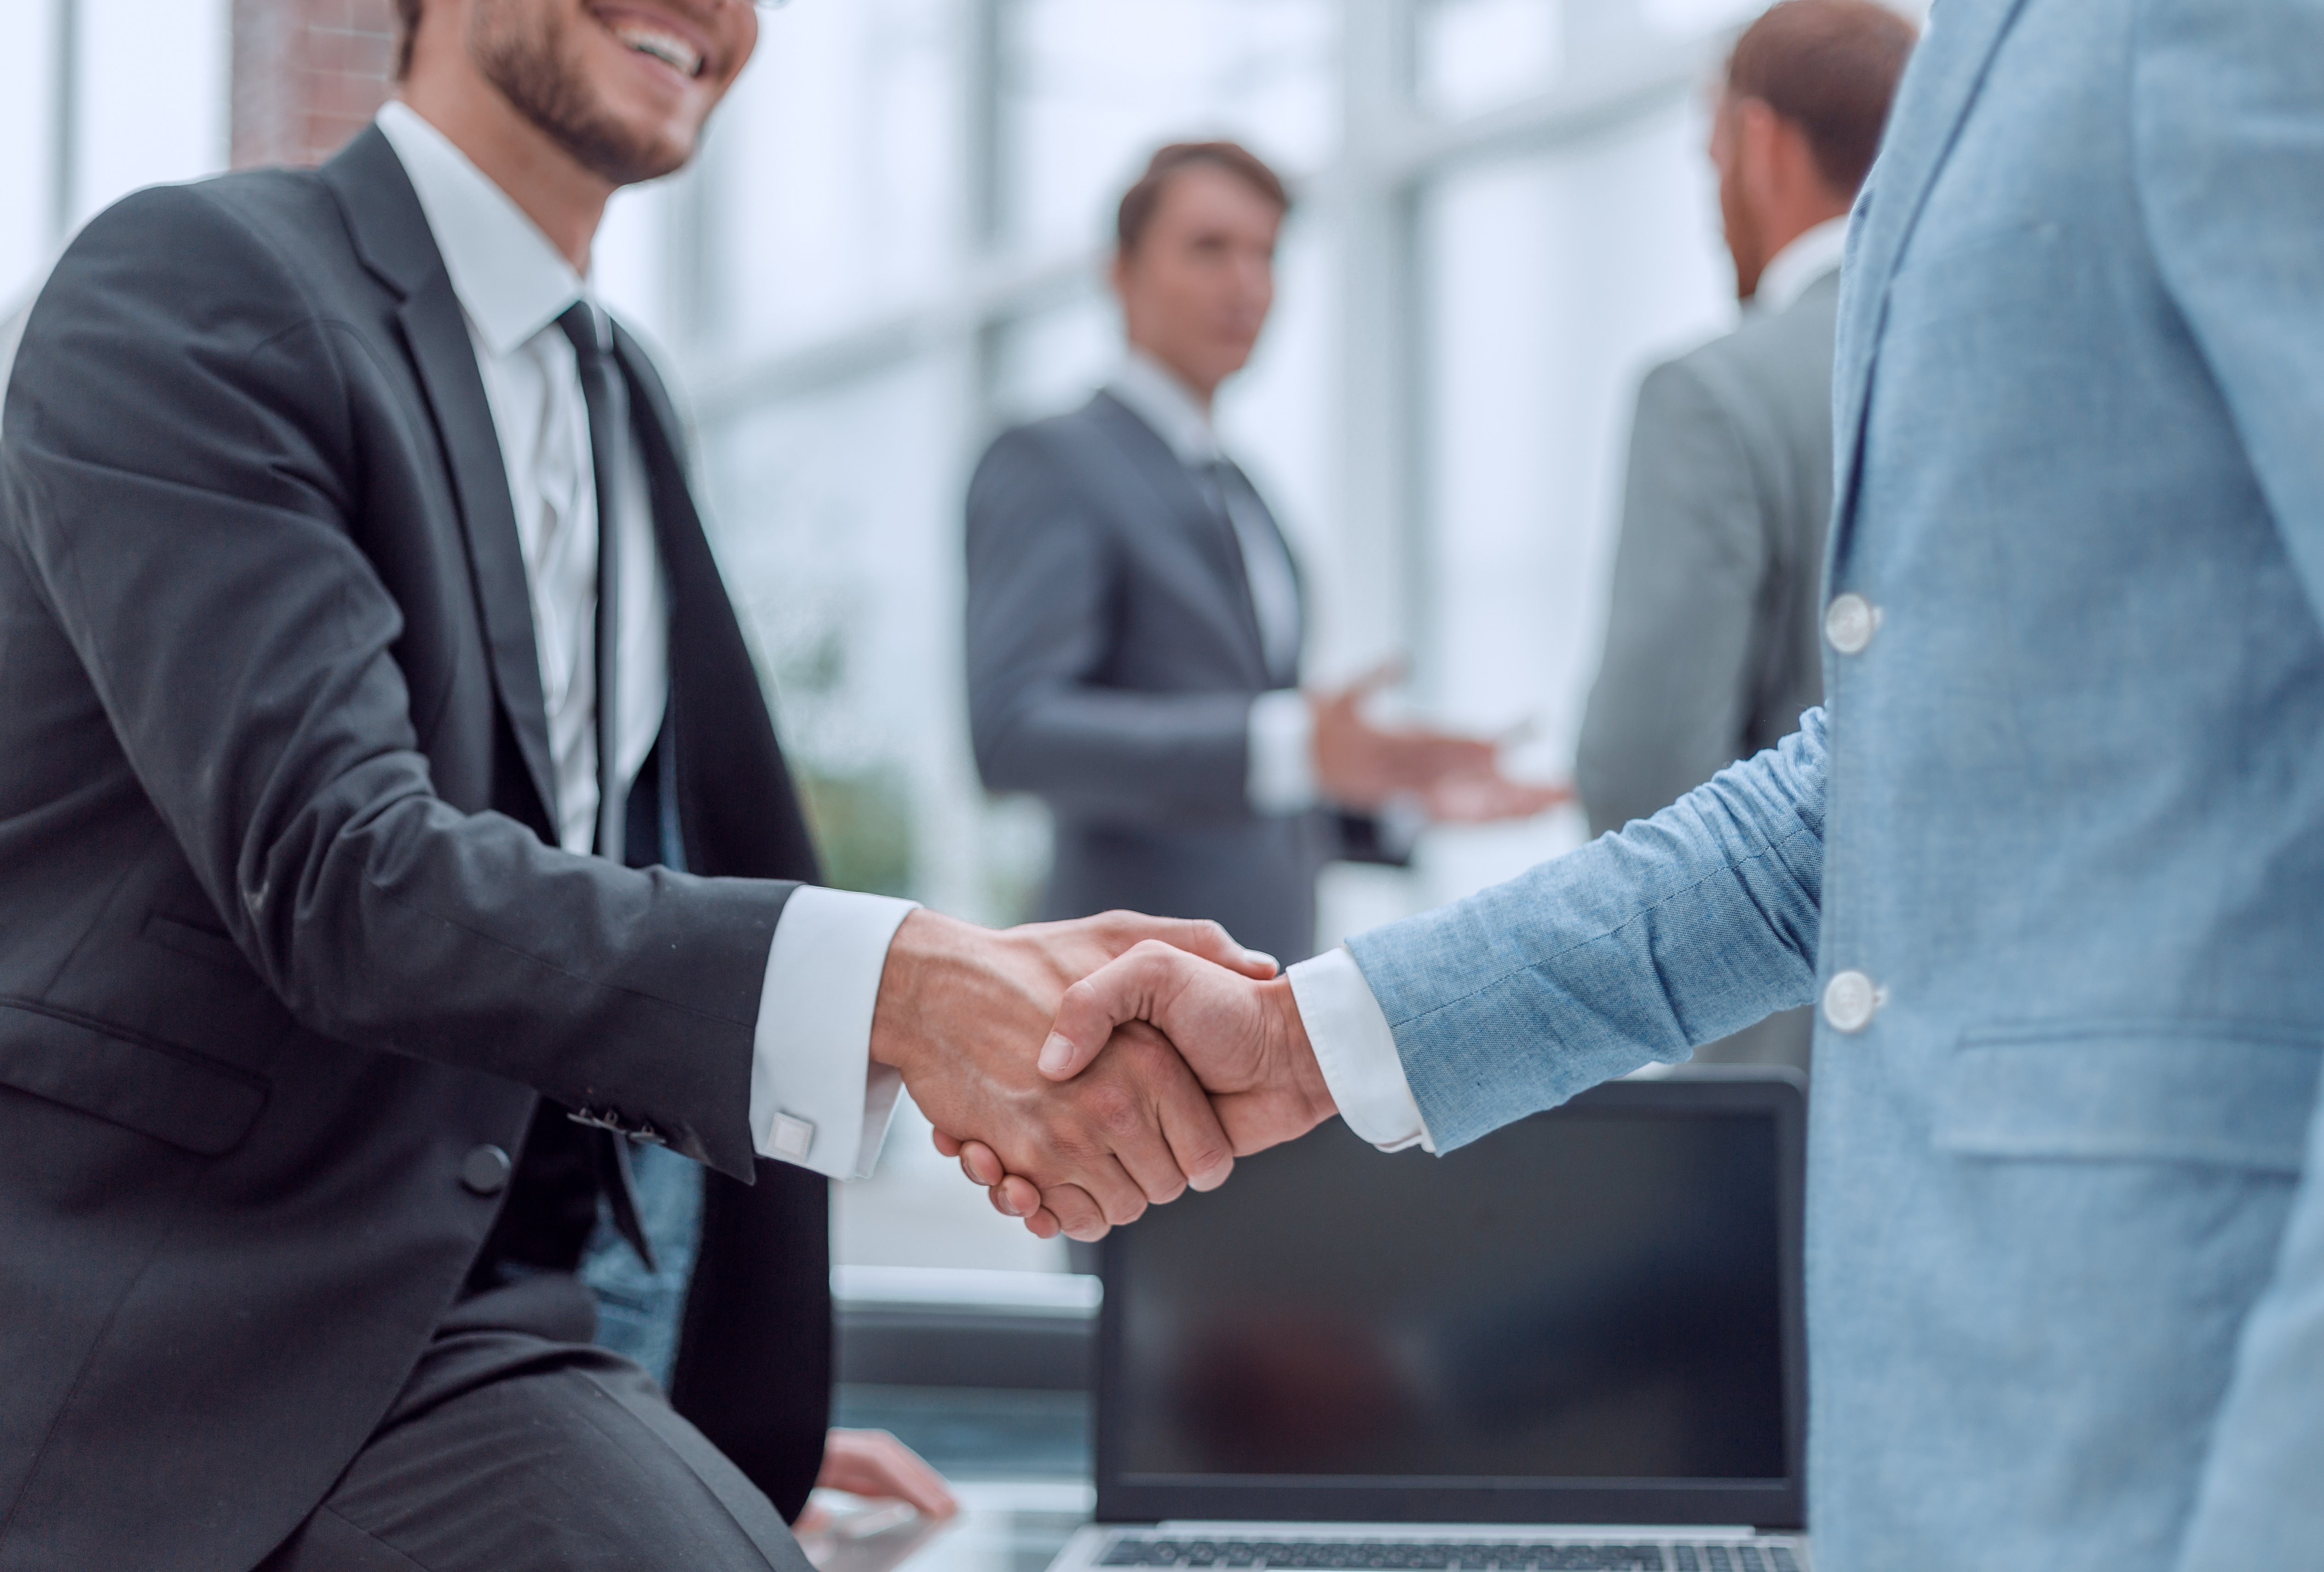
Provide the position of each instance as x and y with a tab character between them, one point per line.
392	235
1939	88
737	808
1210	531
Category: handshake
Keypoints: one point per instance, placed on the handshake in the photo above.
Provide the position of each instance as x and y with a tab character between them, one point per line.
1084	1070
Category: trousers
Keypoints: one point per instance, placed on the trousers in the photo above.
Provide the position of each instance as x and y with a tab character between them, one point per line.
517	1446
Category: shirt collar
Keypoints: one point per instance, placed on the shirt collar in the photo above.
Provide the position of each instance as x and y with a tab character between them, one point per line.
1811	253
1155	396
510	279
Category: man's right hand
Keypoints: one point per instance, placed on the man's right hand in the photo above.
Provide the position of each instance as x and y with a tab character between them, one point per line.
962	1012
1454	779
1362	765
1241	1035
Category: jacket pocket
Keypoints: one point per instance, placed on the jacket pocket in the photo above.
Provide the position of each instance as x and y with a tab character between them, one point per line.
2226	1094
171	1094
189	938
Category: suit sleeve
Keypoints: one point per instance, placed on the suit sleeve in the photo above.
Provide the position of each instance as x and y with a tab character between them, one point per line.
185	461
1670	703
1043	603
2228	134
1641	946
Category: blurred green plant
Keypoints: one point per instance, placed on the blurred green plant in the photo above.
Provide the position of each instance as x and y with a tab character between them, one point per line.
863	825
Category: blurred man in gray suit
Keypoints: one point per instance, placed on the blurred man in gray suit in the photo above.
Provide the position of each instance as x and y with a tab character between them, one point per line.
1711	649
1134	619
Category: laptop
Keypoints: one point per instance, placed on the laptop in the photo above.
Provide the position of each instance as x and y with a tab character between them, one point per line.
1577	1342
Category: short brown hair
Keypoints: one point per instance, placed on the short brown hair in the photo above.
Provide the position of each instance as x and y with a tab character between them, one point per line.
407	28
1830	67
1138	202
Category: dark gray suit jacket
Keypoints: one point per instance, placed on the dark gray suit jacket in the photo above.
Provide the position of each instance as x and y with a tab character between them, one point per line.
1114	654
284	938
1713	647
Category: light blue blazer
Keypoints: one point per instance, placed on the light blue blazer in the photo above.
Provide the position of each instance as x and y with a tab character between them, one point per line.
2064	809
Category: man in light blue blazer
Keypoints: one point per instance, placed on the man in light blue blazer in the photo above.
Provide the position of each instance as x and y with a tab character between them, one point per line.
2050	861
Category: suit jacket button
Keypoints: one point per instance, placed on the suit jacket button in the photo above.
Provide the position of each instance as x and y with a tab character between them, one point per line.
486	1170
1850	999
1850	622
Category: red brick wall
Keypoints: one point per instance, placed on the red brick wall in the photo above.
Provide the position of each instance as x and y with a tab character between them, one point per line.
308	75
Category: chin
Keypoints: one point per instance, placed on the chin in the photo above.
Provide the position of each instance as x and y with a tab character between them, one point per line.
590	100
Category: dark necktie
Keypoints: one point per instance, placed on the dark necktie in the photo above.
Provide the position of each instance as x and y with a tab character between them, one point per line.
608	400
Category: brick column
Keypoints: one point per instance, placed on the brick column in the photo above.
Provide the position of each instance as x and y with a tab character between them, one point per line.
308	75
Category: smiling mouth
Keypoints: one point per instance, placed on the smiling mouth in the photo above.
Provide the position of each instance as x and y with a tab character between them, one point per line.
649	39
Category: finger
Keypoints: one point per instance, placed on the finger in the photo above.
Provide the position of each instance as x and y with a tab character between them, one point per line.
1483	799
1021	1198
1427	756
982	1164
875	1464
1124	989
1175	1139
947	1145
1199	1141
1119	1199
1387	674
1044	1225
1195	936
1078	1216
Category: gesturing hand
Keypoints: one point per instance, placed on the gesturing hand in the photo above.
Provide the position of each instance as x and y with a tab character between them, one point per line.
1242	1038
962	1013
1360	765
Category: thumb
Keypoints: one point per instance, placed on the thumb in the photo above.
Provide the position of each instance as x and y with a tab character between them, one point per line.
1124	989
1387	674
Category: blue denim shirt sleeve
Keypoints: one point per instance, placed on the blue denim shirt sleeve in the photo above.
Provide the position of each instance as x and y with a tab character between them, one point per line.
2229	136
1639	947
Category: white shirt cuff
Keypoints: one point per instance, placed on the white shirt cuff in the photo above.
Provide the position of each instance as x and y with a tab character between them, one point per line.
1356	1051
1280	778
817	1099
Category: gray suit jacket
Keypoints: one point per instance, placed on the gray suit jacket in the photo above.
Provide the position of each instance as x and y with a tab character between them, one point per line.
1114	654
1711	648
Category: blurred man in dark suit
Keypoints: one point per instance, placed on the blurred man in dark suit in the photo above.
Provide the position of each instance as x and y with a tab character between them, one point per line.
1135	616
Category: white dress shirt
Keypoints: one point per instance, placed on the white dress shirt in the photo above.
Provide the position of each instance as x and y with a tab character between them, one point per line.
1354	1046
1811	253
816	1098
1280	777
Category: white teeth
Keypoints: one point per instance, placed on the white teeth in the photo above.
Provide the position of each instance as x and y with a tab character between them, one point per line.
673	53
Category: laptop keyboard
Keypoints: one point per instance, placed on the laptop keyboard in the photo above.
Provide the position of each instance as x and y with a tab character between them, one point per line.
1368	1556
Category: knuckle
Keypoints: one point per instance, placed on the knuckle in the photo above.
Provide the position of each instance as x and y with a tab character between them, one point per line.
1115	1111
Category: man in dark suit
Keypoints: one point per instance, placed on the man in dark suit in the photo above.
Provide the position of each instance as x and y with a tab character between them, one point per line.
392	833
1135	617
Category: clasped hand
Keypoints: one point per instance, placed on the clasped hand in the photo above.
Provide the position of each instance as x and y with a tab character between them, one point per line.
1165	1051
963	1010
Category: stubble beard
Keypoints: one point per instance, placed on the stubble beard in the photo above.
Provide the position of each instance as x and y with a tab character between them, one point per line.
531	66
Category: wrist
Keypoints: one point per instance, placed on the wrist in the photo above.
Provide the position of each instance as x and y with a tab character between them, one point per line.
1290	1044
923	940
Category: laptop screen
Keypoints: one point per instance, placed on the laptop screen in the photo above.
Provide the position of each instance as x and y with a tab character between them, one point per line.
1590	1316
